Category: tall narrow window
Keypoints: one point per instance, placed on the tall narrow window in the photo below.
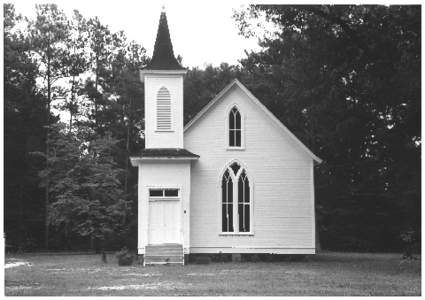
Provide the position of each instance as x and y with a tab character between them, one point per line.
243	202
235	128
236	195
163	109
227	203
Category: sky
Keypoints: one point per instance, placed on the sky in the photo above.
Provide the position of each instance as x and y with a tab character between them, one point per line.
202	32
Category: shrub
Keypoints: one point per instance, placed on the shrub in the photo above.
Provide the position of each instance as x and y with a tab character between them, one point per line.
408	238
140	259
125	258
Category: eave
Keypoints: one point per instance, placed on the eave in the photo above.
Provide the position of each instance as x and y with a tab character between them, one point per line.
136	160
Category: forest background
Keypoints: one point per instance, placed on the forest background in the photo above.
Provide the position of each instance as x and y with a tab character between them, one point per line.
345	79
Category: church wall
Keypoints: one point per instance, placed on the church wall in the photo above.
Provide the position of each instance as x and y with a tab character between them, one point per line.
280	173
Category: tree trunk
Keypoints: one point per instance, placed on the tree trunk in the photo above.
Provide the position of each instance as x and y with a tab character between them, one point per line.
70	122
126	162
21	216
96	95
67	237
46	198
127	146
92	242
71	112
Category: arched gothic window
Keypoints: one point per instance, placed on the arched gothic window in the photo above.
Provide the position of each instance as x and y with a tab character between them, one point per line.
163	109
235	128
236	200
227	200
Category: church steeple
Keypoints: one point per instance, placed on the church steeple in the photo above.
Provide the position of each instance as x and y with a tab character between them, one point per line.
163	79
163	55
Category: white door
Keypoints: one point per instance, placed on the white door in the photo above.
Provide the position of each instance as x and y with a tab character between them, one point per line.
164	221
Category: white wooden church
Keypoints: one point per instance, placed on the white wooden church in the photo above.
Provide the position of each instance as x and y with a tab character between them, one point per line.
233	180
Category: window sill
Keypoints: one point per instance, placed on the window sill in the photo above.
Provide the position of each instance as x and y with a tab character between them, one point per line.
235	148
164	130
152	199
236	234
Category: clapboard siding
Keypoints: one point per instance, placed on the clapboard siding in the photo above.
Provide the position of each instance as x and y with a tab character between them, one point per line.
163	119
279	171
163	175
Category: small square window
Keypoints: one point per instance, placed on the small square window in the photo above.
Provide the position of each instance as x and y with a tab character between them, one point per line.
171	192
164	193
156	193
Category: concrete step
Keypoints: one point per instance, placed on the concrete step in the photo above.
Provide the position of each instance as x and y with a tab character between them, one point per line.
161	247
164	249
163	254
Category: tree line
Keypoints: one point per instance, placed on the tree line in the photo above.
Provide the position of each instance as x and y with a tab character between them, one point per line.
344	79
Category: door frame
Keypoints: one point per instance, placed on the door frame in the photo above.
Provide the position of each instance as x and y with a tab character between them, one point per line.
179	198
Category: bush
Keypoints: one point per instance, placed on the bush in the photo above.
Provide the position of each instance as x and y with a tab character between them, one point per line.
125	258
408	238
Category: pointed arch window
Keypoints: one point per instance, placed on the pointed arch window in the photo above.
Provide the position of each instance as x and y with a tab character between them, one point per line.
163	110
227	202
236	200
235	128
243	202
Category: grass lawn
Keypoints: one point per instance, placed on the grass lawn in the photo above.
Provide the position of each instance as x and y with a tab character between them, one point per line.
323	274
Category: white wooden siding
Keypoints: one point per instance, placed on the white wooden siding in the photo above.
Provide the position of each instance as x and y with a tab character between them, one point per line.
279	171
163	174
161	137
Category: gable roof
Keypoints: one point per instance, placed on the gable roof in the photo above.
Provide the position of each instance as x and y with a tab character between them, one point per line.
237	83
163	55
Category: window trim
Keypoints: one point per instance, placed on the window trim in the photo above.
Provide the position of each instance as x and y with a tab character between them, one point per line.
236	233
235	180
227	129
163	197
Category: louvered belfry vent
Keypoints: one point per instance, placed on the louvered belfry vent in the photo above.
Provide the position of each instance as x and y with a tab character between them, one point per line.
163	110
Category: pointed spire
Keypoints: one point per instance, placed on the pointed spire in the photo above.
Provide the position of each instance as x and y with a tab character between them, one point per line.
163	55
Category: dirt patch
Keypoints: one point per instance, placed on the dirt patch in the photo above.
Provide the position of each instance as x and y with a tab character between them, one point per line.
201	274
142	274
147	286
17	264
21	288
